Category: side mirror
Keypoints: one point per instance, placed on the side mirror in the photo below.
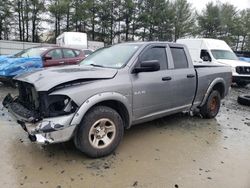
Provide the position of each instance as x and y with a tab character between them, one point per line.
148	66
47	57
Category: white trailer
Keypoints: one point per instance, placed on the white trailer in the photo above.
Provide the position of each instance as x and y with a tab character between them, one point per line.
77	40
73	39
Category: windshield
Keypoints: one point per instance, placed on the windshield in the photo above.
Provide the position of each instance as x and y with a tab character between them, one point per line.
31	52
112	57
224	54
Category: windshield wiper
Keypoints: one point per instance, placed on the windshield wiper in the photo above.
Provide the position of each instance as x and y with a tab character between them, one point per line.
95	65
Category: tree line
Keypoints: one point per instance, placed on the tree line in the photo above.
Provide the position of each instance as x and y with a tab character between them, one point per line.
112	21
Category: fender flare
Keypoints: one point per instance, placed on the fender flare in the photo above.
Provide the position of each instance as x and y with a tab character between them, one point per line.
210	88
100	97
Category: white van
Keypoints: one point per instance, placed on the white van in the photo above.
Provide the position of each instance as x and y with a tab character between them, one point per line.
217	51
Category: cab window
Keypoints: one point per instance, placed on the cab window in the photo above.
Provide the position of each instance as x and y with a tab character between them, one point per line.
179	58
156	53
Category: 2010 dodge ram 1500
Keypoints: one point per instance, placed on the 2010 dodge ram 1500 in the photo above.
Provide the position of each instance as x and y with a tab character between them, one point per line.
112	89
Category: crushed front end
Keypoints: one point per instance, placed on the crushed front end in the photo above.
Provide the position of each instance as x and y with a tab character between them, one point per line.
45	117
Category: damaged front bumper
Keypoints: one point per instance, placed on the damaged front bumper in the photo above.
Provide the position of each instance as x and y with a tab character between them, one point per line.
45	131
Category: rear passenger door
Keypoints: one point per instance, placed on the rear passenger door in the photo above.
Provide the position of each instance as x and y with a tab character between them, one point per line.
183	78
70	57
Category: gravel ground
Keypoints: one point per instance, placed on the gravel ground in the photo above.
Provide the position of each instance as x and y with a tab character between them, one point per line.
176	151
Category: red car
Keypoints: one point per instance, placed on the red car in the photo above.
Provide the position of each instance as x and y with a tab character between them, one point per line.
53	56
37	57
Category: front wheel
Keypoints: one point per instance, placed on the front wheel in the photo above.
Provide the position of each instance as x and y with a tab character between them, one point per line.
212	106
100	132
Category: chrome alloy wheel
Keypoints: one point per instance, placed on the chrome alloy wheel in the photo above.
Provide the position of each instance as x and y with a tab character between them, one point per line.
102	133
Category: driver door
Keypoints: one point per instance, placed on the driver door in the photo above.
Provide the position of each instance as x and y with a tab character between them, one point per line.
149	88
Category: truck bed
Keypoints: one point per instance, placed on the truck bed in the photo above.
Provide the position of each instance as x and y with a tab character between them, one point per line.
206	74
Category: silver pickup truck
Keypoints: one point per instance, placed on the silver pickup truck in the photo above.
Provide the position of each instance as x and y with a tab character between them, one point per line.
113	89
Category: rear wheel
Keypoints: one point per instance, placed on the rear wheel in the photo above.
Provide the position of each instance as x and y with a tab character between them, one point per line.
100	132
212	106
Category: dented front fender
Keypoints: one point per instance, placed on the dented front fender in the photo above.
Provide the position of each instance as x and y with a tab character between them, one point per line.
101	97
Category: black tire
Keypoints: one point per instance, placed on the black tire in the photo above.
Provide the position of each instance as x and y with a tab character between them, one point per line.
242	84
244	100
83	138
212	106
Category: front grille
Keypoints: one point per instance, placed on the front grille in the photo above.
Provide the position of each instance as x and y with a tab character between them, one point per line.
243	70
22	111
28	96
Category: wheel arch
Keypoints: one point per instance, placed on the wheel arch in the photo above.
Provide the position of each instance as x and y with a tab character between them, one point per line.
114	100
220	87
117	106
217	84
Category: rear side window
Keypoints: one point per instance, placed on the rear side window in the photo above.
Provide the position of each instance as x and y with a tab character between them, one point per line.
77	52
179	57
68	53
156	53
55	54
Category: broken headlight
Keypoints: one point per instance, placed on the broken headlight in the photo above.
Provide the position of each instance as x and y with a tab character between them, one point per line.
59	105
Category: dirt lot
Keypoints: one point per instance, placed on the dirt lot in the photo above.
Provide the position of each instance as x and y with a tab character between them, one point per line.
177	151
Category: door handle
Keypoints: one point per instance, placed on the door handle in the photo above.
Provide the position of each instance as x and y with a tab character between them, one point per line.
190	75
167	78
61	62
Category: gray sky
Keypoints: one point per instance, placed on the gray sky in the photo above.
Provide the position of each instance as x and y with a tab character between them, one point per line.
200	4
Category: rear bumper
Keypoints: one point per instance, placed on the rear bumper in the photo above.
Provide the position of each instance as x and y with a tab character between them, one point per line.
45	131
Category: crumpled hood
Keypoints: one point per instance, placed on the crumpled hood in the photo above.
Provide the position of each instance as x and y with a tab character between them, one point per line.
48	78
11	66
233	63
